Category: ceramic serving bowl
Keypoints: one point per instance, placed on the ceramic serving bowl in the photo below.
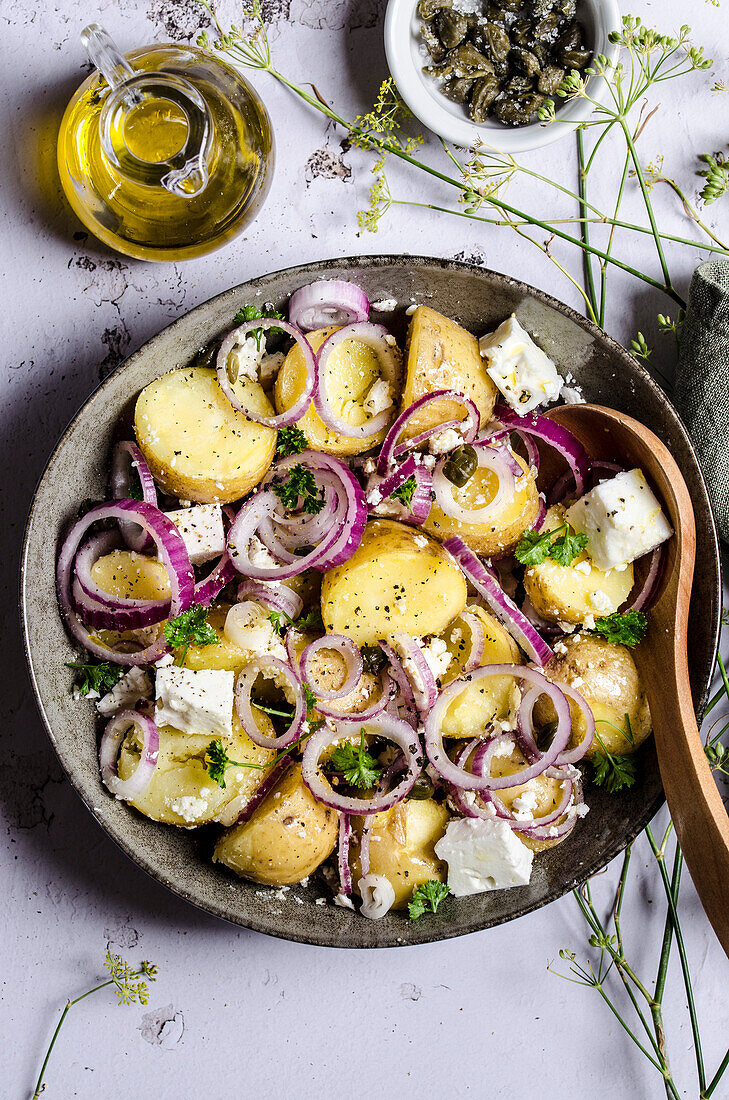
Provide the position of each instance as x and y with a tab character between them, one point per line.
78	470
421	92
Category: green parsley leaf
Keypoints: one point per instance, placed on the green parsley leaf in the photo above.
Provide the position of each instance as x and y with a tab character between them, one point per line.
300	483
310	697
567	547
190	628
251	312
99	676
626	629
533	547
290	441
426	898
280	621
614	772
135	489
404	492
217	760
312	620
356	764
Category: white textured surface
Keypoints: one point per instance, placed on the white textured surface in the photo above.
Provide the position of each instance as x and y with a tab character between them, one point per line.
234	1011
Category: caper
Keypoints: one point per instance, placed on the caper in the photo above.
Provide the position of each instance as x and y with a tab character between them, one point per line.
461	465
422	788
521	33
432	42
570	39
575	59
546	29
457	89
373	658
513	112
565	9
517	86
525	62
464	61
540	8
206	356
498	41
550	80
483	95
509	5
451	28
428	9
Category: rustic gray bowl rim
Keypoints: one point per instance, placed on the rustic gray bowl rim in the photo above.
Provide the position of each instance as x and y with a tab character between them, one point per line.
422	931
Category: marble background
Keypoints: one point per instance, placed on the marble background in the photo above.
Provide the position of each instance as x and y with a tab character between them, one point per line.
232	1010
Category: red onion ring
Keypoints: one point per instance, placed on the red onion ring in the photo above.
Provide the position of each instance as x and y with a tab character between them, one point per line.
285	419
385	725
504	608
99	609
112	737
391	450
174	557
377	707
477	640
328	302
399	674
345	836
244	685
379	489
650	583
461	778
525	724
422	680
554	434
373	336
351	656
275	597
211	586
243	806
125	457
488	458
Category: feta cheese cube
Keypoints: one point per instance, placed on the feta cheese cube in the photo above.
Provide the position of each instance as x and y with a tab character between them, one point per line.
437	655
202	531
378	398
519	369
483	855
622	519
133	686
195	701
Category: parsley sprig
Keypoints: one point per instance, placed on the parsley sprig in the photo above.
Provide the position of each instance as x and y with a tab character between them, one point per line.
217	761
615	771
355	763
190	628
426	898
300	483
99	676
312	620
561	544
250	312
290	441
404	492
627	628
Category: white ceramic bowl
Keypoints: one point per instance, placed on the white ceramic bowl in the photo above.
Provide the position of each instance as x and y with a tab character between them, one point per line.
449	120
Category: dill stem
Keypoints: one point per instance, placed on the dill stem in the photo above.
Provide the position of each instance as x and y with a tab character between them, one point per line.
69	1004
647	201
582	187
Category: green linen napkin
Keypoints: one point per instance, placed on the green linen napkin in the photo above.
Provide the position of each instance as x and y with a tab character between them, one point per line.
701	392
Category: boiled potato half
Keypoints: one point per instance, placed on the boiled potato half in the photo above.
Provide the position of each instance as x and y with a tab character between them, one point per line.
402	845
196	444
181	792
286	838
512	518
488	700
443	356
397	579
132	576
351	371
606	675
573	593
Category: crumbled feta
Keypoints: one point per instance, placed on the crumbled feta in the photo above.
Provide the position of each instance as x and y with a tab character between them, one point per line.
259	554
248	626
369	467
525	804
442	442
572	395
202	531
583	567
133	686
437	655
343	901
411	309
379	397
483	855
387	507
519	369
600	601
245	358
195	701
378	896
622	519
385	305
560	648
167	659
189	807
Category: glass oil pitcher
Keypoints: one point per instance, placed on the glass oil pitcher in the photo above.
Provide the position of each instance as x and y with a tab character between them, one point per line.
166	153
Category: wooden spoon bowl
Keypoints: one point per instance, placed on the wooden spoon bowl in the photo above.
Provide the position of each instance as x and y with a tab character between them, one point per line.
697	810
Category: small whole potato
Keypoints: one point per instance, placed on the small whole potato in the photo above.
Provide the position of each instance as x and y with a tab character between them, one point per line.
507	525
285	839
402	844
606	675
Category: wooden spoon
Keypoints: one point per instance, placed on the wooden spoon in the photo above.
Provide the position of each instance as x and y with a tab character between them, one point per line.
697	810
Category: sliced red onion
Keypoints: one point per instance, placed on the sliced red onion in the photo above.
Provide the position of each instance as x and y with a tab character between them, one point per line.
478	781
416	668
100	610
349	653
172	552
650	583
399	674
380	703
379	489
374	337
328	302
489	458
211	586
277	597
502	606
477	640
554	434
364	843
285	419
345	836
391	450
112	737
385	725
526	725
274	669
541	514
125	457
243	806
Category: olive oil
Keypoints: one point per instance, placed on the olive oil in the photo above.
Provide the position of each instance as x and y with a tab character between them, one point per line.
171	159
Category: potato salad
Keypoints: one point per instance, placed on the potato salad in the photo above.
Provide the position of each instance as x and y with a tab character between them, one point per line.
363	611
